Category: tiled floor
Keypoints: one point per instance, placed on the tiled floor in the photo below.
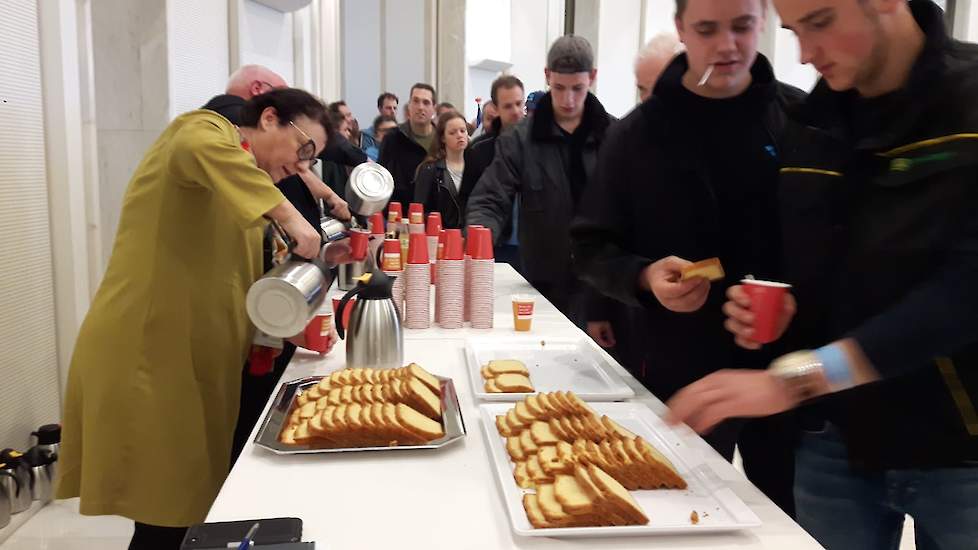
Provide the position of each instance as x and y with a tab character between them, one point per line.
59	526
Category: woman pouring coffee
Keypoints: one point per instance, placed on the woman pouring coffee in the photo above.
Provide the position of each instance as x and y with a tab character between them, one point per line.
153	388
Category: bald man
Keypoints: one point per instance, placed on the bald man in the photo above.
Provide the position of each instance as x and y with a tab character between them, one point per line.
652	60
243	84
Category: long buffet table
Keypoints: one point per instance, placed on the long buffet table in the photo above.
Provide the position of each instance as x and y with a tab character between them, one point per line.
448	497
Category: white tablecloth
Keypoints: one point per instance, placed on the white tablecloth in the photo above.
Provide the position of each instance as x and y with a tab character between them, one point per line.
446	498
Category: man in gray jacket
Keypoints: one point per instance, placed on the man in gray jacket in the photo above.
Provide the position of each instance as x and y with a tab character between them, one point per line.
547	160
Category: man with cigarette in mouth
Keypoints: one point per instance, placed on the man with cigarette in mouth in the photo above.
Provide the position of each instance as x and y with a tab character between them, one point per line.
690	174
878	197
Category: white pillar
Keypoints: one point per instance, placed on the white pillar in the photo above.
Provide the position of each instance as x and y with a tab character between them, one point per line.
65	171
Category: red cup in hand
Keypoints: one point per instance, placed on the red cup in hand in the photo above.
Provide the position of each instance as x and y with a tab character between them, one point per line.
317	331
766	303
358	243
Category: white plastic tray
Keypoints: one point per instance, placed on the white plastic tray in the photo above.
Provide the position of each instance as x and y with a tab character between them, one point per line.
669	511
569	364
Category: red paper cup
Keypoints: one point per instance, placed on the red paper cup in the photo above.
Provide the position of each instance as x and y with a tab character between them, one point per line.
377	224
394	212
318	329
261	361
441	245
483	245
766	303
391	258
346	310
416	213
418	249
471	239
434	224
358	243
453	245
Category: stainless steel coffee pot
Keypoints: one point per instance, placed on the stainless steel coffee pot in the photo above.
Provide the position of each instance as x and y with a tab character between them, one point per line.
42	466
9	486
374	337
20	489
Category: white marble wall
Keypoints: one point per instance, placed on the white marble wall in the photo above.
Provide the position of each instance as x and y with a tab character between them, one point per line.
131	95
619	35
265	37
385	47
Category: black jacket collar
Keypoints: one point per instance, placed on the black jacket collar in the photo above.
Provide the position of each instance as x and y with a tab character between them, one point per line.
224	100
670	85
405	130
826	109
543	126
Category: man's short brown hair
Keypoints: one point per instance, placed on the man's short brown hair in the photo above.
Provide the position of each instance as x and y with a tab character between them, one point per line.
423	86
506	81
681	7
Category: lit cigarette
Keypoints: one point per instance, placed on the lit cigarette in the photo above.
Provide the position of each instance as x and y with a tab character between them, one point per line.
706	75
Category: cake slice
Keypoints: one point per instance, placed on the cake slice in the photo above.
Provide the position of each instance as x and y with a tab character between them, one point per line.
617	496
419	424
514	383
709	269
507	366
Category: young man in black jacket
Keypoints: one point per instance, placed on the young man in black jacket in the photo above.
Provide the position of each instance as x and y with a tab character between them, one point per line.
508	96
878	198
688	175
547	160
406	147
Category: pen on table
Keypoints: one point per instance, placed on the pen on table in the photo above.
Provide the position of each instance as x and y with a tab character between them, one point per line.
246	541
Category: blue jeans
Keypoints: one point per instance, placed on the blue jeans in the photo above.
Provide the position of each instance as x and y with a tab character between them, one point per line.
846	510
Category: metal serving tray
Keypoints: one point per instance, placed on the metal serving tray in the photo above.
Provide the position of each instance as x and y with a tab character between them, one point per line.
277	416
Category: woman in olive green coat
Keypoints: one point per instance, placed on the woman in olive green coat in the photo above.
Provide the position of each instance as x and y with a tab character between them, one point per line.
152	394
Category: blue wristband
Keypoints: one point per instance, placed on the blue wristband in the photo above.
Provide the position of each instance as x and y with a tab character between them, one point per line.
835	364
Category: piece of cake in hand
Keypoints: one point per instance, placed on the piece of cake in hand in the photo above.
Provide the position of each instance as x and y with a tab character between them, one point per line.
710	269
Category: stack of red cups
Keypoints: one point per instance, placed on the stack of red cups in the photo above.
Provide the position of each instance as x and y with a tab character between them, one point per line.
481	289
469	244
417	284
450	291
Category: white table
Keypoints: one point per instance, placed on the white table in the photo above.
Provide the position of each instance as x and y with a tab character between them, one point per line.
446	498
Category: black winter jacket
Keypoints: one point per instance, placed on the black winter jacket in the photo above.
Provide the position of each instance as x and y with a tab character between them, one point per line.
435	190
401	155
529	162
667	187
880	206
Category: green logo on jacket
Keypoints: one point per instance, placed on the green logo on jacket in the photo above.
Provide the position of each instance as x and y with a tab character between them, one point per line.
905	164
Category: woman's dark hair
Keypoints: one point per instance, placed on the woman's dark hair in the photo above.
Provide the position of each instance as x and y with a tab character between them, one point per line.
382	119
336	120
289	103
437	150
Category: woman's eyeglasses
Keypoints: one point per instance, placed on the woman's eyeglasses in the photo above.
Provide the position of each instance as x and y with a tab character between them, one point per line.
307	151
